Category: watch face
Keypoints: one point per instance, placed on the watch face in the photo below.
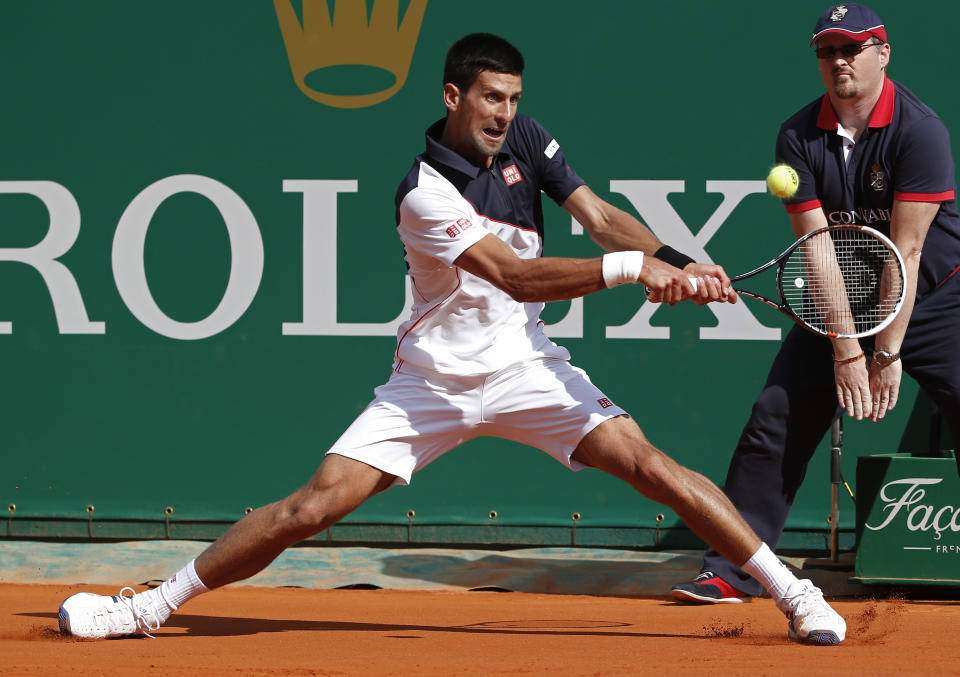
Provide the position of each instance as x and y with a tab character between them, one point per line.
883	358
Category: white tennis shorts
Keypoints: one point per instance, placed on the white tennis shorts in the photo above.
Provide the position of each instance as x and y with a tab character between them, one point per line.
548	404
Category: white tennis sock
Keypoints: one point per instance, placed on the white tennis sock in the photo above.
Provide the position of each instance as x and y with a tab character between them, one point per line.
773	574
170	596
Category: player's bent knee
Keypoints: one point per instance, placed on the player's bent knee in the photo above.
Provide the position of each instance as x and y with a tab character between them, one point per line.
613	446
656	474
307	513
646	469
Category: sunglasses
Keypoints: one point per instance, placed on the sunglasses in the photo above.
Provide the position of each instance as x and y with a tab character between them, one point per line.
848	51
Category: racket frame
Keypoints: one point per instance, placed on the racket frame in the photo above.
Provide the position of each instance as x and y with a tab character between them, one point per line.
784	307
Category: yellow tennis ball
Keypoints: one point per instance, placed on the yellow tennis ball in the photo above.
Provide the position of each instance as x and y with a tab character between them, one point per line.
783	181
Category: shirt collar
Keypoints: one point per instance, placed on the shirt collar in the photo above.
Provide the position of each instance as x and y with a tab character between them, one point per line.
437	151
881	116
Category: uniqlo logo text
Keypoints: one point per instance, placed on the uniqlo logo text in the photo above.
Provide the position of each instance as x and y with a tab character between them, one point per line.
512	175
604	402
460	226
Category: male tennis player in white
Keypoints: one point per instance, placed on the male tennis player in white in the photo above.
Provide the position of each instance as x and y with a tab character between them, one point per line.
473	359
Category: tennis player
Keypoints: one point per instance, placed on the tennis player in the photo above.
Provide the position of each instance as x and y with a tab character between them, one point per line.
867	152
473	359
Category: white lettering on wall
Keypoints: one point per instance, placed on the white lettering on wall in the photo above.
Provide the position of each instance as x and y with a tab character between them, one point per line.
246	261
320	261
650	199
61	234
320	266
571	324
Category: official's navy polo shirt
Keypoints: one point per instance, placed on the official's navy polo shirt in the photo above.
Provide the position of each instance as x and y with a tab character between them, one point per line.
529	161
903	154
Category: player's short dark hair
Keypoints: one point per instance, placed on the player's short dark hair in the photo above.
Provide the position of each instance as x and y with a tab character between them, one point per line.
480	52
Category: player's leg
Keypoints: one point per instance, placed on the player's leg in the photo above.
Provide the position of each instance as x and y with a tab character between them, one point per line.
553	406
787	422
410	423
619	447
337	487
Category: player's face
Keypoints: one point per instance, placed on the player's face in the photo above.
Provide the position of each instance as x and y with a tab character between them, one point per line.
852	76
478	120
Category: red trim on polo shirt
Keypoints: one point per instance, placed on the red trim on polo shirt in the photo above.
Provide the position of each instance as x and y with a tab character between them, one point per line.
881	116
943	281
802	206
396	353
924	197
827	119
883	112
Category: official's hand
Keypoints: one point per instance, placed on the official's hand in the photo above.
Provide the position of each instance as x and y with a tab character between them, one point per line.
853	388
885	387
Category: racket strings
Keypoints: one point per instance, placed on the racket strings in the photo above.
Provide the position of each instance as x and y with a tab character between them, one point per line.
842	281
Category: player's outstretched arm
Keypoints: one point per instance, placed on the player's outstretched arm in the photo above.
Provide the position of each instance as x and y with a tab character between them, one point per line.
531	280
556	278
615	230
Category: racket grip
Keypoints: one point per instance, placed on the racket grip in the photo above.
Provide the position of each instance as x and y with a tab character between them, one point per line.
693	281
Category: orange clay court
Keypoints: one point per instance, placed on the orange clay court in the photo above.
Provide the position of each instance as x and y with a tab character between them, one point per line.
246	630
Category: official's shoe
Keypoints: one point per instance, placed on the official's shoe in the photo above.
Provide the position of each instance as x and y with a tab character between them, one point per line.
708	588
98	616
812	620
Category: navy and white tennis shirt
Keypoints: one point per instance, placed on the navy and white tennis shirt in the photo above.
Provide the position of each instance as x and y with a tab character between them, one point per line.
903	154
461	324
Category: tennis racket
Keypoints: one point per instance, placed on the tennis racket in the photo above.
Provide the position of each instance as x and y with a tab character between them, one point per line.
839	281
843	281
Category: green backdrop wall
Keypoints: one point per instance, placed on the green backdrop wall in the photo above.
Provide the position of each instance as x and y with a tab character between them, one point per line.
200	275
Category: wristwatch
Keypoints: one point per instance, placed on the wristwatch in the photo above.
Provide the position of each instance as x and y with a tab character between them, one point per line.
882	358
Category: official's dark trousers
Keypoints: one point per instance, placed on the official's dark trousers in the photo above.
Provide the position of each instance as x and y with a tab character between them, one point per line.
799	403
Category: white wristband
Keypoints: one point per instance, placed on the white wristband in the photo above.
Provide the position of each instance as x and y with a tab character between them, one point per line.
621	267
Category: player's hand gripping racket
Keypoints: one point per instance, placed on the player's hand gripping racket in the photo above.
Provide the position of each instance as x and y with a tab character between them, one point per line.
839	281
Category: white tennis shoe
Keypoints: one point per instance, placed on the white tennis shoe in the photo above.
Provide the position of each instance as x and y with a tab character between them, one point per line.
98	616
812	620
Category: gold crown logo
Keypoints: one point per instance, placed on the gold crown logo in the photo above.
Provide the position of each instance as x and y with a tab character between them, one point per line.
382	42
